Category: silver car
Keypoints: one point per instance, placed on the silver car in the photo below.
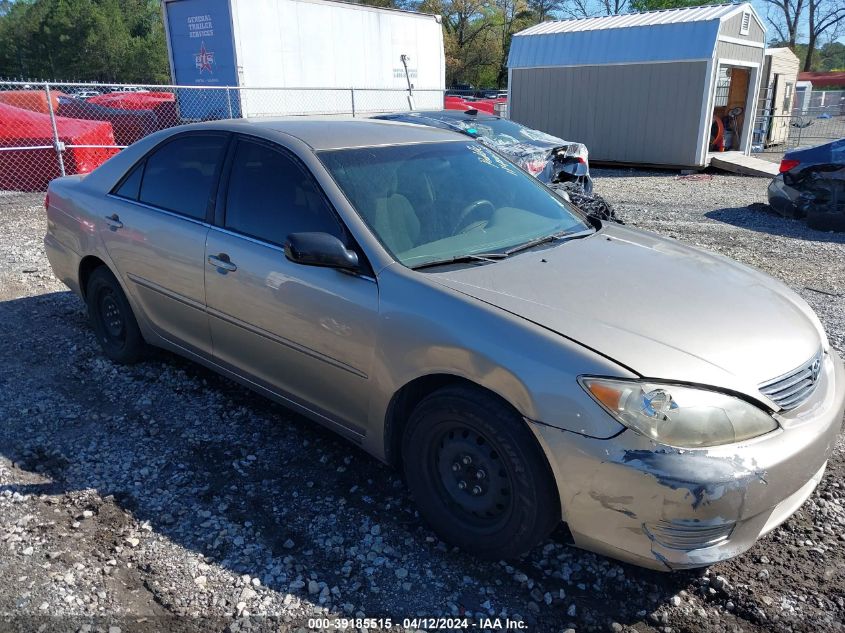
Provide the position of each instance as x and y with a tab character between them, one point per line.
440	308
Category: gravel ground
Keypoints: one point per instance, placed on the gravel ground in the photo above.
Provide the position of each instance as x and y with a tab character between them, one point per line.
163	497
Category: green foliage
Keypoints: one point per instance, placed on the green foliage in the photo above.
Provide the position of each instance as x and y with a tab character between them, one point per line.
83	40
830	57
654	5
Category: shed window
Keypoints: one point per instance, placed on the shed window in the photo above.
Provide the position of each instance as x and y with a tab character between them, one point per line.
787	97
746	23
723	87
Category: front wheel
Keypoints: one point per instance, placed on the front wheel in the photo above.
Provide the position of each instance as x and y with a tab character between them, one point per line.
112	319
478	475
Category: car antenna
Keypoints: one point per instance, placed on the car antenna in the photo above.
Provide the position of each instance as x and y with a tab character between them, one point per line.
471	111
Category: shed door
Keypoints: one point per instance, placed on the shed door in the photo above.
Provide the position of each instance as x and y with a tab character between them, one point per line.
781	109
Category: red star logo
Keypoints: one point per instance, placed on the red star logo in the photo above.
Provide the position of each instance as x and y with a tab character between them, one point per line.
204	59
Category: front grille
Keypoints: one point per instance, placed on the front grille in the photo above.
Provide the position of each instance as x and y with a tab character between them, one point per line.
689	535
790	390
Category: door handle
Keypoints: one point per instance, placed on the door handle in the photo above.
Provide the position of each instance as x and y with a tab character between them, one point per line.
114	222
222	263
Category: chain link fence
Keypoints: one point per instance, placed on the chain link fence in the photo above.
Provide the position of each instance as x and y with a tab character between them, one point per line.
815	119
49	130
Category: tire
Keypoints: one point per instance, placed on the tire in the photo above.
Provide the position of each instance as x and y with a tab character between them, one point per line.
517	506
822	220
112	319
827	210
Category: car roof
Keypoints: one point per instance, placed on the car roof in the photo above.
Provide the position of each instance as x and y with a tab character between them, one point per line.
323	133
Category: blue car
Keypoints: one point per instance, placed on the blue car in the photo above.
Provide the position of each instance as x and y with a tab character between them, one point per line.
811	184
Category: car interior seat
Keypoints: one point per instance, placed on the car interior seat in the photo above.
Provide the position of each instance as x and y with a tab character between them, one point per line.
393	216
417	189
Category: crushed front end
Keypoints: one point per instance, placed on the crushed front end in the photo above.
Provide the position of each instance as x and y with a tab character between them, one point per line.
668	508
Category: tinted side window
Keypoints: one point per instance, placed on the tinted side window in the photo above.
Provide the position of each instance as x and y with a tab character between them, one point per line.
271	196
179	177
130	187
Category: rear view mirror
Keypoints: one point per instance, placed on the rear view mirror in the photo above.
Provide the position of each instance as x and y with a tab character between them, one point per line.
319	249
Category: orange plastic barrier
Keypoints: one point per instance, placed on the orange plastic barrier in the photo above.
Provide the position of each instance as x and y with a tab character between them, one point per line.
717	136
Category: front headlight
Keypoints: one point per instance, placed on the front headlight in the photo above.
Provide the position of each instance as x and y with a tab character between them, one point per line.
679	416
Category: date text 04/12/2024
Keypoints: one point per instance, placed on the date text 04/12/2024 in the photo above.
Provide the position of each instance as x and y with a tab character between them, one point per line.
377	624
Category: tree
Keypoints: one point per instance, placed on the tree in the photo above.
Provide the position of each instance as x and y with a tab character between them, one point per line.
470	39
654	5
408	5
785	17
83	40
543	9
614	7
823	17
513	16
831	57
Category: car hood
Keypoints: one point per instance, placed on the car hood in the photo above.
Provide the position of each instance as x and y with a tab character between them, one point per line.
662	309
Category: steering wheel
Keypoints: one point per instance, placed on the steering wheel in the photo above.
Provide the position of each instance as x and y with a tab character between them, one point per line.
473	209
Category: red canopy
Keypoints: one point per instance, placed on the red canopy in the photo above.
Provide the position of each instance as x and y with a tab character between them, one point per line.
24	169
833	79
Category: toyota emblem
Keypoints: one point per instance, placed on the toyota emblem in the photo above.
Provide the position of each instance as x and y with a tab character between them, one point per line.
815	368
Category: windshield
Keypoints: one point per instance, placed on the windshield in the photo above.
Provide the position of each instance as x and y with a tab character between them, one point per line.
504	132
438	201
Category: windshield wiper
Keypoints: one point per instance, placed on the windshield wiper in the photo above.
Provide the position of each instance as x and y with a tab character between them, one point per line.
460	259
493	257
545	239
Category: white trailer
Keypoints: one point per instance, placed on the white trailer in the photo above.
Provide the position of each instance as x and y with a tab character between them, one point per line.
303	56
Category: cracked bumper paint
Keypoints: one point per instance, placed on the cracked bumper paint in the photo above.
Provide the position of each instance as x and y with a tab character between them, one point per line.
668	508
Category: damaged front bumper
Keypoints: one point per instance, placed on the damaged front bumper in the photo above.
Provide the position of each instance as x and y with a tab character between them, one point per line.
668	508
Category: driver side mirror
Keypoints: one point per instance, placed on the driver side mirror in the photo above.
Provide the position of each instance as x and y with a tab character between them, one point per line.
320	249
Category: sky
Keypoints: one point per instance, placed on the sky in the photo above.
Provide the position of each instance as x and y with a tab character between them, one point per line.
762	9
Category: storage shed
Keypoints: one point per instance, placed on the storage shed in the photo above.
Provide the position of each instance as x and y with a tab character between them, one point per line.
777	91
643	88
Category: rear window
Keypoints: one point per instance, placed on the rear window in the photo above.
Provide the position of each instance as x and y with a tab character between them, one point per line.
181	175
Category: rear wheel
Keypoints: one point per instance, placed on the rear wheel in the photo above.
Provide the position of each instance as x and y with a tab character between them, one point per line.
112	319
478	475
827	211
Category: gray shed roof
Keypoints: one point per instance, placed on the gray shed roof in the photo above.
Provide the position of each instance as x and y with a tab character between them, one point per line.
667	35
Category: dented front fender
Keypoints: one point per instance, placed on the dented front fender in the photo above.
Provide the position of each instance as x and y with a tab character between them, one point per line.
669	508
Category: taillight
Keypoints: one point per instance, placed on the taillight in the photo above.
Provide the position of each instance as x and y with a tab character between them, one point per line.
47	202
788	163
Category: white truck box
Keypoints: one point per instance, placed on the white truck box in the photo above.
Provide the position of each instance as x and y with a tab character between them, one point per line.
301	57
